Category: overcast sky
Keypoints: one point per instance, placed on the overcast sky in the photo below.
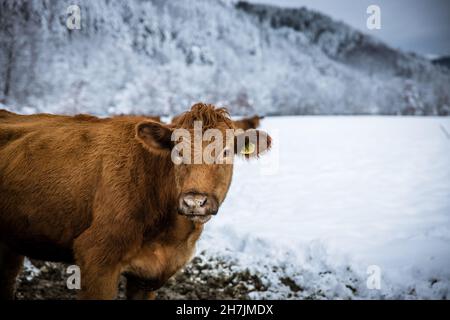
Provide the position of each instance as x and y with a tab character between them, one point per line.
421	26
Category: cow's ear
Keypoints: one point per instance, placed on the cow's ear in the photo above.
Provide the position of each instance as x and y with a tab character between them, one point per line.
154	136
251	143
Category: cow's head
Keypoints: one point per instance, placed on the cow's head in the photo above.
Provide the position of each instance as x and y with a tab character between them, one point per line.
255	121
248	123
203	164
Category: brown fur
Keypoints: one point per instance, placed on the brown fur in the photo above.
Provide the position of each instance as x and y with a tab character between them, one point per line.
151	117
248	123
244	124
203	113
101	193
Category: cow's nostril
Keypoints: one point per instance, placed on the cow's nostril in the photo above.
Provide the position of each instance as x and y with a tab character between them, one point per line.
189	202
202	202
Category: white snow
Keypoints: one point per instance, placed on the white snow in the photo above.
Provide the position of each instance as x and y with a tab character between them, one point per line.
30	270
350	192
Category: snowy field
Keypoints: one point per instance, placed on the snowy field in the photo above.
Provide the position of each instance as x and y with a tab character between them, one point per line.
342	194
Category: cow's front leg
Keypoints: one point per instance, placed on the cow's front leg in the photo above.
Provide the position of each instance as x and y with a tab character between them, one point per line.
99	282
10	265
100	253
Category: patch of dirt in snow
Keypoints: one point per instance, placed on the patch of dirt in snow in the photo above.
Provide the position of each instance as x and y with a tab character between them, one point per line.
202	278
205	277
214	277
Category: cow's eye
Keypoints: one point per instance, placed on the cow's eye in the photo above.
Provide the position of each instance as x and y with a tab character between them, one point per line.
226	153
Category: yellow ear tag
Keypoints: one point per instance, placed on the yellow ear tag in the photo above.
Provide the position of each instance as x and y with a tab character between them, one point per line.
248	149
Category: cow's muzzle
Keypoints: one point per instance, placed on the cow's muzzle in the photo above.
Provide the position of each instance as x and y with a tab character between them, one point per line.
197	206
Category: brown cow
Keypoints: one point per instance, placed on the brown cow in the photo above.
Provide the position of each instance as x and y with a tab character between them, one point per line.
104	194
244	124
248	123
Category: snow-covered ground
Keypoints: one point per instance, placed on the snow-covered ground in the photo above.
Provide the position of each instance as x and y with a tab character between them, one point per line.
347	193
